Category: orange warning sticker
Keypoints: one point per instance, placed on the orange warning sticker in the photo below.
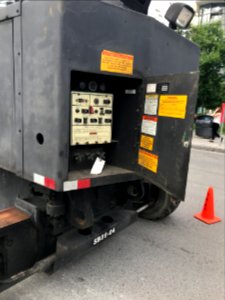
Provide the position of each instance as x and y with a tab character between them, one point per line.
147	142
115	62
173	106
148	160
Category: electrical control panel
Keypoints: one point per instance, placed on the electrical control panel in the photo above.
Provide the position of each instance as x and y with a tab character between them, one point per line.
91	118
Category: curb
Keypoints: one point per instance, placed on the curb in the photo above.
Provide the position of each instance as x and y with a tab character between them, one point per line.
199	147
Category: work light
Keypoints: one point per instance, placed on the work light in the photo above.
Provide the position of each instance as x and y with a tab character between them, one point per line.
180	15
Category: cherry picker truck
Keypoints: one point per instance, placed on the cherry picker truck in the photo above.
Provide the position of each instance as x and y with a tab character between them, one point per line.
97	102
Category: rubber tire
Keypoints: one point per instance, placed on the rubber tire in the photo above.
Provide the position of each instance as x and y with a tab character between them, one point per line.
161	204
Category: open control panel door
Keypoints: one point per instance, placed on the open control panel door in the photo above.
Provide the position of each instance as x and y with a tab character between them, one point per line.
166	131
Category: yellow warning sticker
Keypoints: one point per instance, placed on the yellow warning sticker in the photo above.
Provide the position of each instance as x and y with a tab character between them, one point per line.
147	142
148	160
173	106
115	62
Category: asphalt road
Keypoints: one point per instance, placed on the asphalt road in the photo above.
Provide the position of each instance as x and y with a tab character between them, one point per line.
178	258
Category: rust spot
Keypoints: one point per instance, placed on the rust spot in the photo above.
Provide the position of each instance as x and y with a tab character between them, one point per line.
12	216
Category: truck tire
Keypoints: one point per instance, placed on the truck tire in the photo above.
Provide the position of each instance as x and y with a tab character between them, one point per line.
161	204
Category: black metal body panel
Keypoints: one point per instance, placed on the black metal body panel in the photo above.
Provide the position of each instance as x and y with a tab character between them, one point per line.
63	36
11	186
7	104
18	246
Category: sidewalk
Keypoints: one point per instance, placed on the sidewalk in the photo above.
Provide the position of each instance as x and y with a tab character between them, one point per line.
204	144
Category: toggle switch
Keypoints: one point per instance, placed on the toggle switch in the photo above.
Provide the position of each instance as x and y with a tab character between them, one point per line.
94	120
108	112
106	101
76	120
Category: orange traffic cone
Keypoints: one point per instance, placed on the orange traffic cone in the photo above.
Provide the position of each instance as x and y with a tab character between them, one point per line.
207	214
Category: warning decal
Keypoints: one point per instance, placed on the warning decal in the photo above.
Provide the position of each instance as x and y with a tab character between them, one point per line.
148	160
147	142
173	106
149	125
151	104
115	62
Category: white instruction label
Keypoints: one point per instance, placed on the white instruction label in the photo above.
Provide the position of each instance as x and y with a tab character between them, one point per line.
151	104
98	166
149	125
151	88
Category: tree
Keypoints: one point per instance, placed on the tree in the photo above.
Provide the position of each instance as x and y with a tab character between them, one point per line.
211	40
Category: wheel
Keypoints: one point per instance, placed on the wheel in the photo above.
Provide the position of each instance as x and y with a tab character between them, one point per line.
161	204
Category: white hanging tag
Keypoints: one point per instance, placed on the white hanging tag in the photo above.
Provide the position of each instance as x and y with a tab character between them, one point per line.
98	166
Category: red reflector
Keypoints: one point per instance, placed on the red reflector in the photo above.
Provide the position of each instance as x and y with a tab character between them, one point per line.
154	119
84	184
50	183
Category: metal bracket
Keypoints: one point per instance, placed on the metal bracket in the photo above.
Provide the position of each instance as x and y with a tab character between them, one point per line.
11	11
